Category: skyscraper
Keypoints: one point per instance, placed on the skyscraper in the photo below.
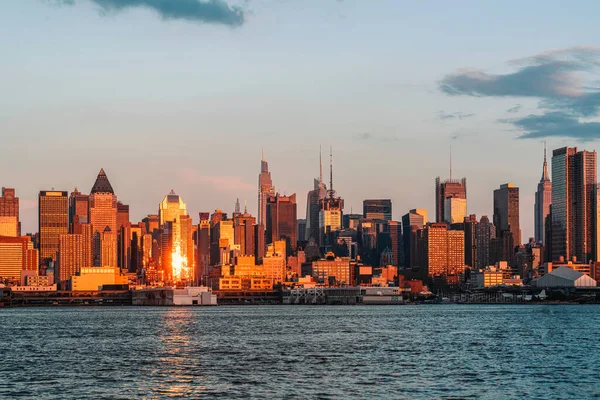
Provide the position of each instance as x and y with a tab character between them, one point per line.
171	208
331	212
108	248
53	219
412	221
506	211
265	190
318	193
103	213
484	233
16	254
9	208
470	229
281	220
73	254
443	252
455	210
449	188
573	197
79	208
543	200
378	209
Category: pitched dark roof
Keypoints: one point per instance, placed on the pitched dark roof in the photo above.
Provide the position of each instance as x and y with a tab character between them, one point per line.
102	185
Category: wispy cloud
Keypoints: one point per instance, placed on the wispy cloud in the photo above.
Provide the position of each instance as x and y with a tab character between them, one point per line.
199	11
515	109
371	137
219	182
558	78
442	115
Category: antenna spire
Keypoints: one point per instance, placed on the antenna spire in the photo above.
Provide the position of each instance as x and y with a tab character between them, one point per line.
245	207
320	167
450	161
331	169
262	151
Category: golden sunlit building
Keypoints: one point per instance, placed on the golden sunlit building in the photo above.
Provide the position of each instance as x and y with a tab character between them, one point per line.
9	226
92	279
16	254
103	214
108	249
74	253
9	206
443	250
332	267
53	221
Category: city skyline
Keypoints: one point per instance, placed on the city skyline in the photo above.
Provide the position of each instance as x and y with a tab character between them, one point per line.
374	90
397	211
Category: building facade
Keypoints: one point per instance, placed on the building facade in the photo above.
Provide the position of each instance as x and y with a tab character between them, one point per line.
53	220
543	200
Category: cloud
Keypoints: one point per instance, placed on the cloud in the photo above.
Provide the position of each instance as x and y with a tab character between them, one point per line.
455	115
370	137
516	108
559	79
200	11
219	182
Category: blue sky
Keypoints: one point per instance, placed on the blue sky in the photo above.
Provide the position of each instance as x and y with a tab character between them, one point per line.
186	103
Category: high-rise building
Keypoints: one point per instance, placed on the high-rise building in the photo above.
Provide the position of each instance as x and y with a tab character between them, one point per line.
9	207
506	211
108	248
103	213
445	189
470	229
411	222
443	252
73	254
171	208
573	196
313	208
150	224
378	209
9	226
282	220
543	200
396	244
485	231
79	208
265	190
301	234
203	249
331	212
16	254
53	220
455	210
122	215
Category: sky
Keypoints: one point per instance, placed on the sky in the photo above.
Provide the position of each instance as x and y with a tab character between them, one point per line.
184	94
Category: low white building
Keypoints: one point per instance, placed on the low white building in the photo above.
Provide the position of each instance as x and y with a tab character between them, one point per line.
564	277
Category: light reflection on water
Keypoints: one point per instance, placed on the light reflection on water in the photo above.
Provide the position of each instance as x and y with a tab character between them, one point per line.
437	351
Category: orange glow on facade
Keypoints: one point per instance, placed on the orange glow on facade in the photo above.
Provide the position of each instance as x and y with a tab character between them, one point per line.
179	264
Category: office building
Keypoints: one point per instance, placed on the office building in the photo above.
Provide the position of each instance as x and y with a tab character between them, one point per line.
16	255
378	209
53	220
281	220
506	212
265	190
470	228
102	214
443	252
313	208
79	208
485	231
411	222
9	207
74	253
455	210
445	189
573	196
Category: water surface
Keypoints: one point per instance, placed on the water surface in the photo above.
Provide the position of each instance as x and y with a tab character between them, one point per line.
413	352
